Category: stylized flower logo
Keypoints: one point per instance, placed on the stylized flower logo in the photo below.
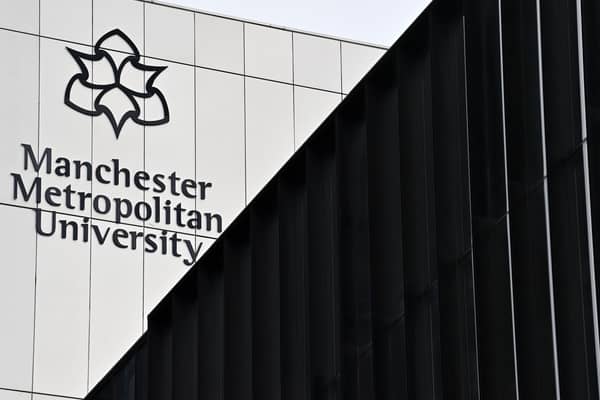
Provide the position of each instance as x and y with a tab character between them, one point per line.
116	92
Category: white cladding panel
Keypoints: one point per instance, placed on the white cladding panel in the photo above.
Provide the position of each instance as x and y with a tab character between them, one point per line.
170	147
129	18
269	131
317	62
311	108
129	149
116	294
219	43
268	53
46	397
18	105
220	142
67	133
357	60
66	19
169	34
21	16
61	312
17	290
13	395
205	103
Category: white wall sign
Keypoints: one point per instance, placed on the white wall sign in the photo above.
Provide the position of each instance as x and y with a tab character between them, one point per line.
131	135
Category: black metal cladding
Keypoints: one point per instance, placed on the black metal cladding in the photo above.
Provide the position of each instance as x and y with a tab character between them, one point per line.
429	241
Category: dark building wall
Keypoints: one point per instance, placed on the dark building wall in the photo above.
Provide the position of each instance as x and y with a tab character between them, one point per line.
434	239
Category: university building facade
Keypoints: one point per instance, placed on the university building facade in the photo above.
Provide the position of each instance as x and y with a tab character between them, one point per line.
133	133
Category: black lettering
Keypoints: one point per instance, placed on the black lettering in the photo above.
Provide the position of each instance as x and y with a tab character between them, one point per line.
194	220
79	165
167	209
147	211
50	193
174	244
203	187
64	227
123	209
46	158
120	234
85	228
186	185
156	209
99	236
68	193
151	246
134	236
192	252
18	183
99	176
178	215
63	168
83	196
96	204
38	223
117	171
163	243
209	217
159	183
139	179
173	179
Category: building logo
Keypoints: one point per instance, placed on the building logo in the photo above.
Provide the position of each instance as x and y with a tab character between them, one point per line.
120	85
